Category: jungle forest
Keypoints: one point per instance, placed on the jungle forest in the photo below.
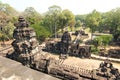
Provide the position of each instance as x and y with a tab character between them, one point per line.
55	20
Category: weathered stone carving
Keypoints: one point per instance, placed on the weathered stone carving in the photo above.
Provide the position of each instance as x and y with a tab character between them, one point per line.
107	70
115	53
67	46
25	44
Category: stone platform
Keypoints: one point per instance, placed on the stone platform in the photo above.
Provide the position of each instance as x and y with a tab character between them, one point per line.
12	70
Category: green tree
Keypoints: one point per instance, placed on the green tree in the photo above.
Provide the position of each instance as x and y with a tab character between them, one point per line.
8	30
80	20
69	18
103	40
115	24
78	23
41	32
7	17
51	19
56	19
31	15
92	21
3	19
110	22
8	10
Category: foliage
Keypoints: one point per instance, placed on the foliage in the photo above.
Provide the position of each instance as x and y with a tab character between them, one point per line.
3	19
7	32
31	15
51	19
7	9
7	17
115	23
93	20
69	18
78	23
116	36
103	40
56	19
110	22
80	20
41	32
94	50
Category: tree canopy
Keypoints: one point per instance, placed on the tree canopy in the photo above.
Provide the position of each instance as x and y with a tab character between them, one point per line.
55	19
31	15
93	20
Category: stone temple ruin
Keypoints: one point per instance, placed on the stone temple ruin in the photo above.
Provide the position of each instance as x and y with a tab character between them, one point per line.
67	46
28	52
25	44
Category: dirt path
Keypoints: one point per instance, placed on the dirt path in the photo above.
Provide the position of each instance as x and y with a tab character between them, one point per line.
84	63
5	44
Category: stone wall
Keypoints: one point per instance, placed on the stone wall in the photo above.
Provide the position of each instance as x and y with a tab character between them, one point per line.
12	70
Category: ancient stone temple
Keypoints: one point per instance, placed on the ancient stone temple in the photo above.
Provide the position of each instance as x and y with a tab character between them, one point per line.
27	51
25	44
65	42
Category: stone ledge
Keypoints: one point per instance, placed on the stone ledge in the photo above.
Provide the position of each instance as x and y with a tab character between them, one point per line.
104	58
12	70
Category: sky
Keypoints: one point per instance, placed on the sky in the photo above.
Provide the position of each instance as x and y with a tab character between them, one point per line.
76	6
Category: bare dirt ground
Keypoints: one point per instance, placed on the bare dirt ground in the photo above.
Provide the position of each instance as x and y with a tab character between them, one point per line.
84	63
6	43
5	47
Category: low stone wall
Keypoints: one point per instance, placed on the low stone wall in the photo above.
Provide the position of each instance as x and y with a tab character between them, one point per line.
104	58
12	70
